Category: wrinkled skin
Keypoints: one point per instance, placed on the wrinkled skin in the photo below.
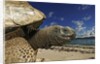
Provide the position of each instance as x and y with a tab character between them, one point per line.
52	35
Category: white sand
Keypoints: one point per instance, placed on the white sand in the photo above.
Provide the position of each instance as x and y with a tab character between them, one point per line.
55	55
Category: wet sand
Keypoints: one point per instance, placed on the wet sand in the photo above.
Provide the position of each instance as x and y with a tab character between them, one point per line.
70	52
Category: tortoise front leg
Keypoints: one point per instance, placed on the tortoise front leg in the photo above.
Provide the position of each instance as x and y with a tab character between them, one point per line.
16	33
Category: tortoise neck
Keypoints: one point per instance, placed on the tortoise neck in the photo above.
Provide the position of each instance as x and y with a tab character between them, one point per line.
29	34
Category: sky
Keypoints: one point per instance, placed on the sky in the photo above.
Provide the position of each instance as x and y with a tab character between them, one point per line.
81	17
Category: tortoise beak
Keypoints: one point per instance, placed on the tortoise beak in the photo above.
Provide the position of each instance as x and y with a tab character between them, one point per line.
72	32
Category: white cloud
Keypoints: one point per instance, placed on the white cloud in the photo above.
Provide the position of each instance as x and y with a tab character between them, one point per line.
50	14
90	32
53	23
83	7
82	30
45	26
87	18
87	33
62	19
80	26
78	22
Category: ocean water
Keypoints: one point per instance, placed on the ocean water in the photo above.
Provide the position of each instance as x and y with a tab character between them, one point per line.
83	41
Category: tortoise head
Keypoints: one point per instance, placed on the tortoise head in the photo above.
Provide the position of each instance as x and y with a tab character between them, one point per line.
59	34
66	33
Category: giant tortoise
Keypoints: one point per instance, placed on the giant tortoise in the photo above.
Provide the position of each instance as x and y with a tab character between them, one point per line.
21	44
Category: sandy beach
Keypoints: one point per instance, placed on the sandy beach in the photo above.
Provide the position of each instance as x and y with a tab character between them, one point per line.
70	52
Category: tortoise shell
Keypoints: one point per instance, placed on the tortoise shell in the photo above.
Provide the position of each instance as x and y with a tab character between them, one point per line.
21	13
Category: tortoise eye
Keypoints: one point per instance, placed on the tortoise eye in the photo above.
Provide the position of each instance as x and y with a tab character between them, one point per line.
56	28
64	30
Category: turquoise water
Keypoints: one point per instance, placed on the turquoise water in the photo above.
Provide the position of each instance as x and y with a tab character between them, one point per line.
83	41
